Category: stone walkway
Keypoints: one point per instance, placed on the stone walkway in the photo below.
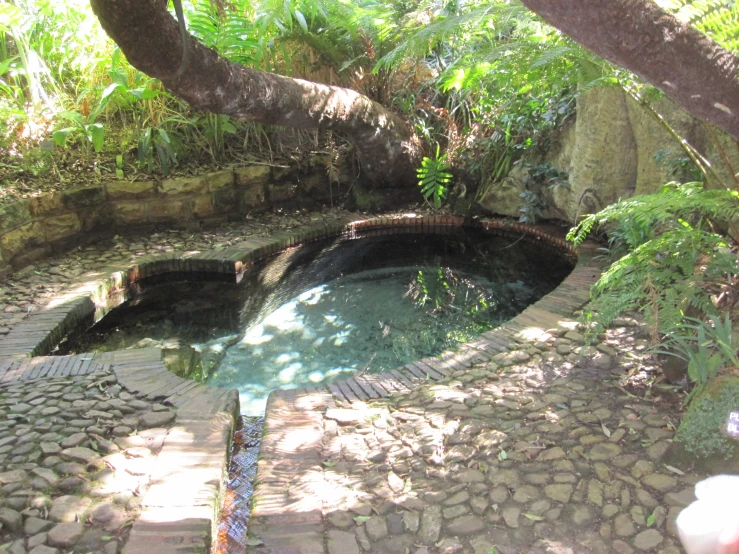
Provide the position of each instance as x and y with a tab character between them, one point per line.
76	455
527	443
89	443
540	449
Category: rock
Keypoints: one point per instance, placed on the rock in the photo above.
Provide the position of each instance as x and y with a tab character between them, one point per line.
395	524
660	482
582	515
10	519
21	408
342	542
346	416
683	498
455	511
457	498
526	494
511	515
102	513
479	505
430	525
466	525
559	493
43	549
80	454
623	526
469	476
551	454
411	521
622	547
342	520
47	475
377	456
15	476
49	448
604	451
35	525
65	535
68	508
646	540
74	440
488	439
376	528
157	419
70	468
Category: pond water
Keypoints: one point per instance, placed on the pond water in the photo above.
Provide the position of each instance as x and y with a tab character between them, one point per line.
321	311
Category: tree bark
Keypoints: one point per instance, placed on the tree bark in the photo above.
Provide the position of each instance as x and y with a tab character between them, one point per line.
693	70
150	38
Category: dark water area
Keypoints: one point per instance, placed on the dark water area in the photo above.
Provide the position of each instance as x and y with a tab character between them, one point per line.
319	312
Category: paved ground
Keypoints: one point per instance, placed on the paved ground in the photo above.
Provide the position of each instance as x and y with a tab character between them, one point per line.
76	454
541	449
79	449
538	448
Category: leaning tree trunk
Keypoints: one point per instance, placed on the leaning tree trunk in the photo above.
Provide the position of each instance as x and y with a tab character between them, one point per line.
638	35
150	38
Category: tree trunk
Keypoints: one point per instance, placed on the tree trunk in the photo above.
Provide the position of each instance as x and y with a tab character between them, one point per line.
150	38
638	35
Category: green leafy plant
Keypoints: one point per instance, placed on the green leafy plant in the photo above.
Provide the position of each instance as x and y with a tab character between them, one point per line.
700	430
705	345
675	256
93	131
532	207
156	141
434	178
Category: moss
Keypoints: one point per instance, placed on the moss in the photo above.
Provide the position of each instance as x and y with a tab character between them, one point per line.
701	431
365	199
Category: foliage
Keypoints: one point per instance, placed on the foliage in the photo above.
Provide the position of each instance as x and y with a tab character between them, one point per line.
674	257
715	18
87	126
156	141
706	347
700	431
434	178
532	207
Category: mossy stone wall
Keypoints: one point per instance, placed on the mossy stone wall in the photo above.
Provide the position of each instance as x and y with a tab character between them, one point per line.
32	229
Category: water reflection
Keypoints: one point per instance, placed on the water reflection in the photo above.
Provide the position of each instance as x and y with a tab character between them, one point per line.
368	322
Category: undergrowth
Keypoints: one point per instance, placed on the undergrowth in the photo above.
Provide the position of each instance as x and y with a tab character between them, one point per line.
700	433
671	258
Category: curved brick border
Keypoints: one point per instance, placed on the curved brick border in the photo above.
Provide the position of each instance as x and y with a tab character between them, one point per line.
181	506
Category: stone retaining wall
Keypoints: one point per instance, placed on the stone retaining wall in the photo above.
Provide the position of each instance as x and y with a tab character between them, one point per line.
33	229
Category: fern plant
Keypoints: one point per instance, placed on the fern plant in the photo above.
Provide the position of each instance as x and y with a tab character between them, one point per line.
676	257
433	178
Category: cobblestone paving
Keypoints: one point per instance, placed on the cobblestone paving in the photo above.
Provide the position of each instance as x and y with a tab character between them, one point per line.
76	452
540	450
36	286
75	458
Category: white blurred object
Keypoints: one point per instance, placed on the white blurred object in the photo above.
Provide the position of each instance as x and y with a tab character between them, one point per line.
700	524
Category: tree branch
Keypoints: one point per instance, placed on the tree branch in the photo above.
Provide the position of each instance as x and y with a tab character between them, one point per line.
693	70
150	38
